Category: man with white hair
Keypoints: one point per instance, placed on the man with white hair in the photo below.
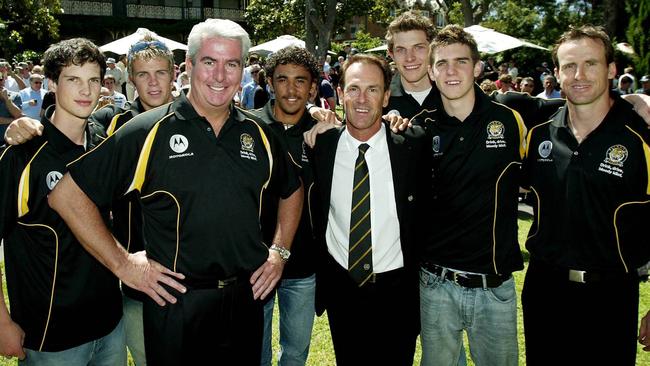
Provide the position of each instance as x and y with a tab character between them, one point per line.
199	167
114	71
32	96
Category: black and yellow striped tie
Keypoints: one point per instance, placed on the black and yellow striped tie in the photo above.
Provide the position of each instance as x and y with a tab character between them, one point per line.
360	251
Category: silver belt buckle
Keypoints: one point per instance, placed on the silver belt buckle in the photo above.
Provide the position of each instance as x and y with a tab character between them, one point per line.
456	276
576	276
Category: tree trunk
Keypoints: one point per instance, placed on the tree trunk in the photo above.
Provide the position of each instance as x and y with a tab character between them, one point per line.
468	13
318	31
613	10
473	14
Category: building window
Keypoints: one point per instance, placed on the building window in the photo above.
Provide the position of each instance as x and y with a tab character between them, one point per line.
440	20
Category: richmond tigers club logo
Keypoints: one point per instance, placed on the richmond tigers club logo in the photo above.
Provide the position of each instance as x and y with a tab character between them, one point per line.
495	130
616	155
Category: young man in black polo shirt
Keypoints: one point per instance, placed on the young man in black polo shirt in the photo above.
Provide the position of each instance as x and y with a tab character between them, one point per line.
151	69
588	169
199	167
293	73
65	301
408	37
471	248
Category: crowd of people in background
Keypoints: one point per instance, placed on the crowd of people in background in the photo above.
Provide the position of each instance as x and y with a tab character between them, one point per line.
212	187
28	89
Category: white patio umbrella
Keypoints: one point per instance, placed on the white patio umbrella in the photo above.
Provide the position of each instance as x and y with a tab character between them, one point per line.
381	48
277	44
491	41
121	46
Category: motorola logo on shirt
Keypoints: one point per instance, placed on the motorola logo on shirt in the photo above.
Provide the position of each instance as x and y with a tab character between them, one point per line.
52	179
436	144
544	149
178	143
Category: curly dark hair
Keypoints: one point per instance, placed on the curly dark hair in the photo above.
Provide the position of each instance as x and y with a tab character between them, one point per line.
292	55
77	51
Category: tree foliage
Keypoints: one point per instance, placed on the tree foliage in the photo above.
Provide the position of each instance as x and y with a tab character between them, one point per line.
272	18
636	33
543	21
26	22
365	41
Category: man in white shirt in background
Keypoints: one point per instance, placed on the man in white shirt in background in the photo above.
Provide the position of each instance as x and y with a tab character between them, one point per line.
118	98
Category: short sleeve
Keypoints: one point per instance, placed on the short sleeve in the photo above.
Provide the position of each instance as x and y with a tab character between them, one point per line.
107	172
285	176
8	189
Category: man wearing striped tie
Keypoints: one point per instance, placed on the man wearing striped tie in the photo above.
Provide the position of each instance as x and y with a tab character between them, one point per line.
369	183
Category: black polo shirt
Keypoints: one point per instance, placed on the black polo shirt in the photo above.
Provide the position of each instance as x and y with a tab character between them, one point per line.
592	198
301	263
405	104
126	223
533	110
112	117
200	193
475	185
60	295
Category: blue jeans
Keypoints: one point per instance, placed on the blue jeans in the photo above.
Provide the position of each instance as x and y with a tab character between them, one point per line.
109	350
133	329
296	298
489	316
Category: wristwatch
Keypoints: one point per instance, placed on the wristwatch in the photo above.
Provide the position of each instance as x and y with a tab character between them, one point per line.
284	252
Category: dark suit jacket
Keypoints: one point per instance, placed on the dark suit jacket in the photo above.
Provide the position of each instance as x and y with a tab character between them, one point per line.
410	158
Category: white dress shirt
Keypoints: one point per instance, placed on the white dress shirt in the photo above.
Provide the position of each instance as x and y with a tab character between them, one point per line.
386	246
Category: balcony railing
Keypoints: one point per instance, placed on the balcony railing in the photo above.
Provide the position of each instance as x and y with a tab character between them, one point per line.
149	11
234	14
87	8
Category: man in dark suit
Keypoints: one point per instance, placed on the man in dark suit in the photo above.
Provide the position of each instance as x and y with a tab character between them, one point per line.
371	188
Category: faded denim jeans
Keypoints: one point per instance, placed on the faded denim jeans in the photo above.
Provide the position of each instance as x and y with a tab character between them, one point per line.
488	315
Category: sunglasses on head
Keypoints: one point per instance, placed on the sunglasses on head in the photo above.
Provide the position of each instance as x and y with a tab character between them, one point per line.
142	45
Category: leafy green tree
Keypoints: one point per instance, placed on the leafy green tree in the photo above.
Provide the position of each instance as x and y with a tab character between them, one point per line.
467	12
365	41
27	22
637	36
270	19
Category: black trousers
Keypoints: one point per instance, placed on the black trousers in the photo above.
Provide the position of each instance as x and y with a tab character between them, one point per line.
205	327
569	323
376	324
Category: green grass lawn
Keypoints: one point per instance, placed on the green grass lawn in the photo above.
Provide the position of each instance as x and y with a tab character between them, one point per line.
322	353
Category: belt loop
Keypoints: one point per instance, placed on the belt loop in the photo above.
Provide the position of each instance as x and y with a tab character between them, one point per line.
443	274
484	279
